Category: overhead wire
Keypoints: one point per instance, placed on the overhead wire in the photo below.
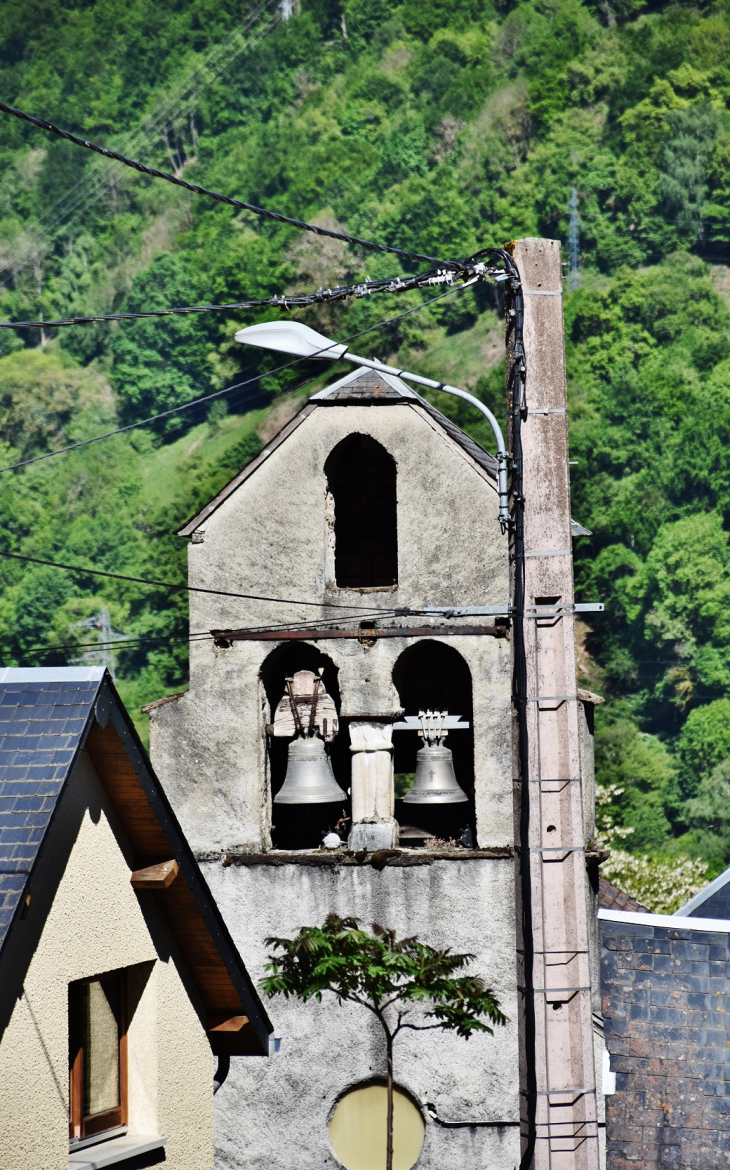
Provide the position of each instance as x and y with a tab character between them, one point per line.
239	204
228	389
180	101
362	288
83	571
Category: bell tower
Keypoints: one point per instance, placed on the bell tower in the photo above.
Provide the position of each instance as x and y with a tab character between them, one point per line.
346	746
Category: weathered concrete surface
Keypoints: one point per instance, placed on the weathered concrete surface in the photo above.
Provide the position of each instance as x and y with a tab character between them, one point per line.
275	1113
564	1048
269	538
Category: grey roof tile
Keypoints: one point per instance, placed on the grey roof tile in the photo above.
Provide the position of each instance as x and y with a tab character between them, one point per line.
42	723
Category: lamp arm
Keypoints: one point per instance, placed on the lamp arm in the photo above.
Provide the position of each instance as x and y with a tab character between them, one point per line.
504	517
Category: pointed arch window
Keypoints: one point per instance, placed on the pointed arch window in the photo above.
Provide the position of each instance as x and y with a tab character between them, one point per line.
361	478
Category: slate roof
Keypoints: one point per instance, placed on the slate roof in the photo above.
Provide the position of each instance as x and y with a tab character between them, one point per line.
364	385
42	724
712	902
47	716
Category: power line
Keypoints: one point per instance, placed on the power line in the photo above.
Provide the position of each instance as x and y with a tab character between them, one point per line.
202	635
180	101
275	216
393	284
80	570
228	389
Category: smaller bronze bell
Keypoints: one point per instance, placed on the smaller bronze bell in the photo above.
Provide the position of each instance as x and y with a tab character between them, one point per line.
435	780
309	776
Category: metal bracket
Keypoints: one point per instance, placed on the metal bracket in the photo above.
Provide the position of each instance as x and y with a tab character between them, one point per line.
464	610
548	611
506	609
552	698
565	553
414	723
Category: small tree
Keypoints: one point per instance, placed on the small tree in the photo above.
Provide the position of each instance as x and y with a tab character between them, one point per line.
386	975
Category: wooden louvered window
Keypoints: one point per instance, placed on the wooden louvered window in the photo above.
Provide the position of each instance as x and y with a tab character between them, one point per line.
97	1055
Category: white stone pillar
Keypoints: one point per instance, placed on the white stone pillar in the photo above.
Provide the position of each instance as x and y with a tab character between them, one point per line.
373	800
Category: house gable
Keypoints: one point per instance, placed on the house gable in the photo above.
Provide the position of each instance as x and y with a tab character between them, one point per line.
57	713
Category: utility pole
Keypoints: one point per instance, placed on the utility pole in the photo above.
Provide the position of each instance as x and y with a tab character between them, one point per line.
558	1072
574	242
101	621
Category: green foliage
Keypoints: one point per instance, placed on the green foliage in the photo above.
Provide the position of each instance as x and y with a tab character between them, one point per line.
381	972
390	977
442	126
703	743
640	768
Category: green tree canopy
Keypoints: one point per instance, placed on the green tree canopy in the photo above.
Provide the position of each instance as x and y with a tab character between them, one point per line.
390	977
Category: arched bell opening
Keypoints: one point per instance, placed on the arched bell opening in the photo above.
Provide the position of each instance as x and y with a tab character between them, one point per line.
302	826
432	676
361	480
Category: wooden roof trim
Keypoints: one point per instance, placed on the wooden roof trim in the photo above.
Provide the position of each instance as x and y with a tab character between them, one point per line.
187	904
189	528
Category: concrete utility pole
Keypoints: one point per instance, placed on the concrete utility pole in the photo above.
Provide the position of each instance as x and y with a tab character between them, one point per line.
574	242
564	1070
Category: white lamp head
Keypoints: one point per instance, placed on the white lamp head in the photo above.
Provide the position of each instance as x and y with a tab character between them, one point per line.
291	337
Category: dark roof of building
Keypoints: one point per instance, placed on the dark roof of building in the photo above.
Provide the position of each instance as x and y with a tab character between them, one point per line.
47	716
712	902
610	897
365	385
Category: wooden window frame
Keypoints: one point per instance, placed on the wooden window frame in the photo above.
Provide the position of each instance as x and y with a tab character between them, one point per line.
80	1126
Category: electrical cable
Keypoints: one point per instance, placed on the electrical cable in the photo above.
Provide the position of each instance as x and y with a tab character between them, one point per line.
228	389
81	571
180	100
517	406
240	204
431	1110
365	288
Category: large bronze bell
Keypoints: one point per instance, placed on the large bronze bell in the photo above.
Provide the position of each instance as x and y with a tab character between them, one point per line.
435	781
309	777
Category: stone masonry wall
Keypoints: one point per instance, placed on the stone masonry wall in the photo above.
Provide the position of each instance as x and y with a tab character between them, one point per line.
666	996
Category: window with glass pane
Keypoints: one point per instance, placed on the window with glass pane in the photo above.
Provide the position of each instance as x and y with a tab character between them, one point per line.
97	1055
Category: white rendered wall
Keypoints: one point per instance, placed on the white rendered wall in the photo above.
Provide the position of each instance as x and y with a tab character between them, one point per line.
275	1113
85	919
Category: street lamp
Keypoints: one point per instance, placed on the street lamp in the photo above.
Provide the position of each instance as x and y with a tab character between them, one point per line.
293	337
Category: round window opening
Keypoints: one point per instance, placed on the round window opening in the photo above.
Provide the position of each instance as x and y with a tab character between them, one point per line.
358	1129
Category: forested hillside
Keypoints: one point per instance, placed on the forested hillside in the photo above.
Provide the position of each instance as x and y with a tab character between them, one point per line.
442	126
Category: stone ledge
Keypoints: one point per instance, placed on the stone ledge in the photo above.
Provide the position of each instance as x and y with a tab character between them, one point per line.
114	1152
381	858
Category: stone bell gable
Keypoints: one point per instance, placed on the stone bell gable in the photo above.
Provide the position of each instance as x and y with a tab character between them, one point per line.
367	505
366	509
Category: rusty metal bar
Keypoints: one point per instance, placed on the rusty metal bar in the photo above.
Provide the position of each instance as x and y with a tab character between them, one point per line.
227	637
